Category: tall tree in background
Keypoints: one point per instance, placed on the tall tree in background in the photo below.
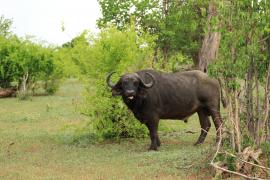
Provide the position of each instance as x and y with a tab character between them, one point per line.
179	25
211	41
145	13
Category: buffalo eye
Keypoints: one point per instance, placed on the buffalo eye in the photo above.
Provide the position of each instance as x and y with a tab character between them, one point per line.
125	83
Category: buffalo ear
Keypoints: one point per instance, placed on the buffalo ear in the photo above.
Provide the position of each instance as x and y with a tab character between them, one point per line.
117	89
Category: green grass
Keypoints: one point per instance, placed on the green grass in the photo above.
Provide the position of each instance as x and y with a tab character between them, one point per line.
30	149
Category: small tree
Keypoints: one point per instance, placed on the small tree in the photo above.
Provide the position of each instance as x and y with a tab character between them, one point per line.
5	26
24	63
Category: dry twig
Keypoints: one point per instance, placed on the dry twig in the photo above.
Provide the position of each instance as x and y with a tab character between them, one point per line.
226	170
266	169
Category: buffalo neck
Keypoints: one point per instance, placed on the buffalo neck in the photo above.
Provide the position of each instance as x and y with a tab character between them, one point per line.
135	104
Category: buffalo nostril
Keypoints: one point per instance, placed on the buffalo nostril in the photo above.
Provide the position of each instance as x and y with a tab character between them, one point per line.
130	93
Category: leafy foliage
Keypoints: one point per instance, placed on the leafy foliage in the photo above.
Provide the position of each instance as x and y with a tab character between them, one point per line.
266	150
74	56
21	57
179	25
25	63
120	51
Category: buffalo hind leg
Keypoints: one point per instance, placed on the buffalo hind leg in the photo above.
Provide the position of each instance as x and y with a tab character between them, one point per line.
153	127
205	125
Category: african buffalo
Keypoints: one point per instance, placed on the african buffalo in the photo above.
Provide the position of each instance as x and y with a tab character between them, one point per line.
153	95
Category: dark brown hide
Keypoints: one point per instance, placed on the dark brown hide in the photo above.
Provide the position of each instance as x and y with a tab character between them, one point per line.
173	96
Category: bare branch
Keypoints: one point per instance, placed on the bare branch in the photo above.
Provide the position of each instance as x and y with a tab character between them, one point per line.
260	166
233	172
226	170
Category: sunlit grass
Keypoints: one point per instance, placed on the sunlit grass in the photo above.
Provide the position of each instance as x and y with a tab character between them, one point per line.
29	147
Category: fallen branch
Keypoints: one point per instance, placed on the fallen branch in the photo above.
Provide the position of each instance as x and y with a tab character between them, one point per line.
266	169
233	172
8	92
191	132
226	170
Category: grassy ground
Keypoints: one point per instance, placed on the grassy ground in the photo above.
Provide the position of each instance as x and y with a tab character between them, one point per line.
29	148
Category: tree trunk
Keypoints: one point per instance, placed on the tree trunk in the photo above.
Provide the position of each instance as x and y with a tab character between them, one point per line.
165	49
233	117
263	124
165	7
211	41
237	122
267	126
165	55
23	85
155	57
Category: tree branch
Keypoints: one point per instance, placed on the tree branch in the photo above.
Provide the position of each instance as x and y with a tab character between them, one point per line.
226	170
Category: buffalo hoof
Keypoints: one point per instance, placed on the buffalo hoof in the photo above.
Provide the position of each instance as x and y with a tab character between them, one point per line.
158	143
198	143
152	148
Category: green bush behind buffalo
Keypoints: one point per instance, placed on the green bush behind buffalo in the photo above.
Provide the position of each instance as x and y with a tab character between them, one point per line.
120	51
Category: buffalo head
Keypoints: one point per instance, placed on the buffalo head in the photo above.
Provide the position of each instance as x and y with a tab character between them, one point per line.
130	85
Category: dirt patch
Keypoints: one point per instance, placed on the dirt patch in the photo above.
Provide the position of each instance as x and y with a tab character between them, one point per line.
32	148
194	177
171	142
3	173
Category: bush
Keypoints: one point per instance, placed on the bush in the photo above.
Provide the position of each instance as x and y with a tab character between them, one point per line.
266	148
118	122
266	151
177	62
23	95
119	51
79	136
52	86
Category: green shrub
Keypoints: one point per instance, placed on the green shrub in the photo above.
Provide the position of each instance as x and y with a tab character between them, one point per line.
111	117
228	161
23	95
51	86
266	148
119	51
177	62
247	141
266	151
118	122
76	135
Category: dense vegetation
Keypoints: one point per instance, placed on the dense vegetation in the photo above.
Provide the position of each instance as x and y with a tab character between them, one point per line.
26	65
229	40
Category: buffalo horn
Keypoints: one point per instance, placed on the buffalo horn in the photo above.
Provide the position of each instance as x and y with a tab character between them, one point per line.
108	80
150	84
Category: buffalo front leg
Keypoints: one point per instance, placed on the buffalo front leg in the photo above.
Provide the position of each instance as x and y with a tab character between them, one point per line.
153	127
205	126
